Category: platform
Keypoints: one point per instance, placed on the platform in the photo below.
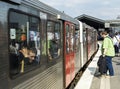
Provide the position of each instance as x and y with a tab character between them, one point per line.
91	80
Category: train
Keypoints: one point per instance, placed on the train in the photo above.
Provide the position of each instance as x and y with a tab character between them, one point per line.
40	46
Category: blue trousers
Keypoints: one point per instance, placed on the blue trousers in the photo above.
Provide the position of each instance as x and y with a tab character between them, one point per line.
109	65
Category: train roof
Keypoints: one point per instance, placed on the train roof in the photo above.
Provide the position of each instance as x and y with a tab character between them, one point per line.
92	21
44	7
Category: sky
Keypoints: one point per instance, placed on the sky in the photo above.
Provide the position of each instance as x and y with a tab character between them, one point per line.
102	9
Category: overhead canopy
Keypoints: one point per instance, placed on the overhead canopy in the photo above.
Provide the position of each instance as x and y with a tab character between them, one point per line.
92	21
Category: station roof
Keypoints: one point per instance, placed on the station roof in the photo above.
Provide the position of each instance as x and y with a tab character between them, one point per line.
92	21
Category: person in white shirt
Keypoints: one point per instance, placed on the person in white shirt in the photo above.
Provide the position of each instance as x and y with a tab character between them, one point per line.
116	41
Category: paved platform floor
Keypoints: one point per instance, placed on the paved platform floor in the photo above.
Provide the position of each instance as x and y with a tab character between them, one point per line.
108	82
91	80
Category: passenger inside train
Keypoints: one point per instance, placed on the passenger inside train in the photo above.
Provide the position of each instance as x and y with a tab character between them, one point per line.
28	55
53	47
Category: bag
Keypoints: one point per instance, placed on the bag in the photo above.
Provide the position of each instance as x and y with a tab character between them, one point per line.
102	65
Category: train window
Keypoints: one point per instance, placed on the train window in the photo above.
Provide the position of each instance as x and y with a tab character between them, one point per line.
76	39
67	39
24	42
53	40
72	38
34	40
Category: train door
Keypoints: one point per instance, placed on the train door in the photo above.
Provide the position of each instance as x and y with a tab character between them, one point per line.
69	55
84	46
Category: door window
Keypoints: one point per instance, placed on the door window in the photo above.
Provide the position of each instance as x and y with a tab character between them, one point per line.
72	39
67	39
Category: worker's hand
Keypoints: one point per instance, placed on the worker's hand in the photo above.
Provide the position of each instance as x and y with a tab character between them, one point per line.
24	51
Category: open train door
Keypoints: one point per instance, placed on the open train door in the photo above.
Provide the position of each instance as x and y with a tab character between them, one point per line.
69	54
